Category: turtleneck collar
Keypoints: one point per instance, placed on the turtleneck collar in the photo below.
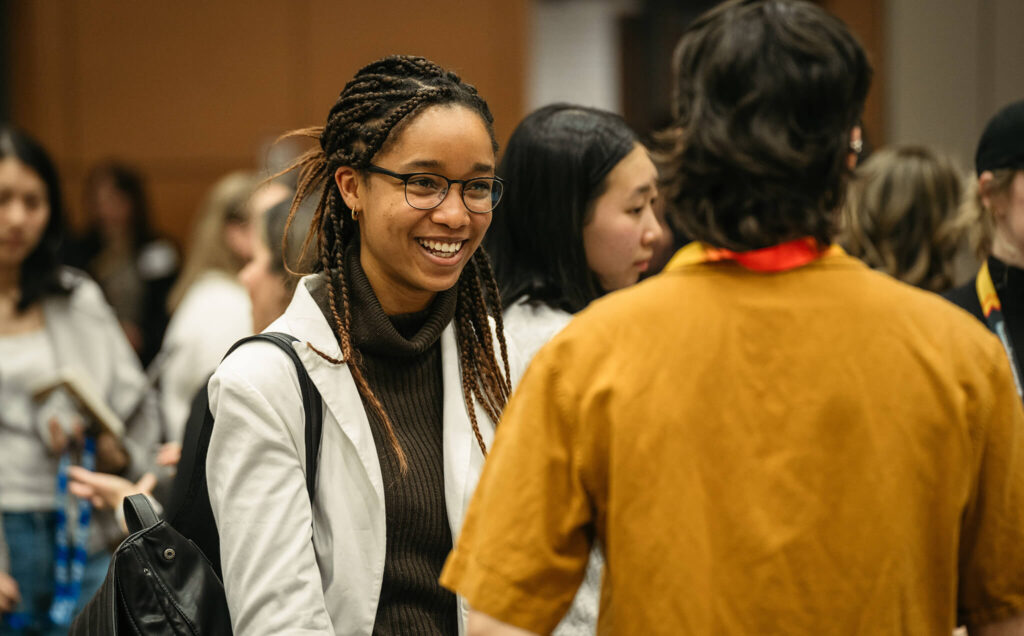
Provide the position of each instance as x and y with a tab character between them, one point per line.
373	331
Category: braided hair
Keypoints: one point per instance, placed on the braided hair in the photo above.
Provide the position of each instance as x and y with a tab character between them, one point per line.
371	112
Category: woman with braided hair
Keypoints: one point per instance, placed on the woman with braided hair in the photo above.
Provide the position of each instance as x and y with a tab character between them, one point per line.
400	330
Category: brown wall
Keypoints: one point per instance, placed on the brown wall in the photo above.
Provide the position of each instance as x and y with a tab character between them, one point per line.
866	18
190	90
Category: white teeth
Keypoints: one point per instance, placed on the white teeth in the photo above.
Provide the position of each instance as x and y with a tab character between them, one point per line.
439	246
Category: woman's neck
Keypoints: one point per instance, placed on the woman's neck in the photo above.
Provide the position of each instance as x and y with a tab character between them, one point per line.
1007	251
9	279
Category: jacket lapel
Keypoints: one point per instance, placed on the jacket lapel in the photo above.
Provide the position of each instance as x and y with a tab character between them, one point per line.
305	321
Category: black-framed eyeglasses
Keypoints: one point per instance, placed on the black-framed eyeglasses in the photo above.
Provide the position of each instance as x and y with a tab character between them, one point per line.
426	190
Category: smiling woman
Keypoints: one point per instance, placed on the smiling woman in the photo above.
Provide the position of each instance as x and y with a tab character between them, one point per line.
401	331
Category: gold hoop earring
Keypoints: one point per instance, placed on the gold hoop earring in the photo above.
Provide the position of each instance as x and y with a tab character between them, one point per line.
355	214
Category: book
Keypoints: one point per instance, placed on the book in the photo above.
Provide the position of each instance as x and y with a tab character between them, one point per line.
99	417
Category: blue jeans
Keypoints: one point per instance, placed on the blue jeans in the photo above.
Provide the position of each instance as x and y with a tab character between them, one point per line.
30	542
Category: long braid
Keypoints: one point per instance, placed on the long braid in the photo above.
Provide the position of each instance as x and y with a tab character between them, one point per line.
482	378
370	111
494	300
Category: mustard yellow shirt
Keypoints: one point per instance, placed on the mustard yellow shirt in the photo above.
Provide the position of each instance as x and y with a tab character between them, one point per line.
819	451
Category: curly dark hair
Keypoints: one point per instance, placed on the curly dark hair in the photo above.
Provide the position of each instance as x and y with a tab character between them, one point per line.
372	110
766	94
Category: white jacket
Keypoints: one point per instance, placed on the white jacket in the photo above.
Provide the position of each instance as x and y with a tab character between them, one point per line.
87	337
290	568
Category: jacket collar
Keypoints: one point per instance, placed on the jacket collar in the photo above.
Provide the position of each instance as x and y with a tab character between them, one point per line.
304	320
462	457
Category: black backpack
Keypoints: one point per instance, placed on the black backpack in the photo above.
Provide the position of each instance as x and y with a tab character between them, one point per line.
165	578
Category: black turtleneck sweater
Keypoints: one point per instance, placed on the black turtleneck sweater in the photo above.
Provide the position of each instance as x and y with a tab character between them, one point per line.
1009	283
401	359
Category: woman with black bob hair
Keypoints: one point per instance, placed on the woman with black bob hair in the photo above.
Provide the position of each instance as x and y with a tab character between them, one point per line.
400	330
767	413
54	323
546	237
576	221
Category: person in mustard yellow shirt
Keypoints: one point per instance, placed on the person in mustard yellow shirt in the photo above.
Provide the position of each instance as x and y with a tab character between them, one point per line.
769	437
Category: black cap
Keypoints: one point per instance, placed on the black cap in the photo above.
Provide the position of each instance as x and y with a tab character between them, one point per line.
1002	143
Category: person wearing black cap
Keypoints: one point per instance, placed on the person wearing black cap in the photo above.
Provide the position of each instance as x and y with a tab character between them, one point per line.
995	211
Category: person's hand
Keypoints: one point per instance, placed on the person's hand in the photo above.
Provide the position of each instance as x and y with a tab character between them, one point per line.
9	595
60	440
111	457
169	454
104	490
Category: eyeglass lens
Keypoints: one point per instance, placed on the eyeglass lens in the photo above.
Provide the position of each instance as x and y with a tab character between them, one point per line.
426	191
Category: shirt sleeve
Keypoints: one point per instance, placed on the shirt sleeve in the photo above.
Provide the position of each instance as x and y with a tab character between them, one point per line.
258	495
523	549
991	546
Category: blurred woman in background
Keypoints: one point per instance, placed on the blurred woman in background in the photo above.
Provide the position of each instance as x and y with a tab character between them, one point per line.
901	216
210	310
54	321
577	220
132	264
994	212
277	261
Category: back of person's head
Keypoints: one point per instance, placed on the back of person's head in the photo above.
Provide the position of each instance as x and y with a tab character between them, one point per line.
556	164
901	215
998	160
225	204
767	93
115	194
285	237
40	269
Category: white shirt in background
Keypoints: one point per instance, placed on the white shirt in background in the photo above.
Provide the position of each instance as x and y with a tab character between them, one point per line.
214	313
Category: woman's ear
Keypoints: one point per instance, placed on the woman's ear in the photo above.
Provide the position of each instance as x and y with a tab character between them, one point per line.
350	186
985	189
856	144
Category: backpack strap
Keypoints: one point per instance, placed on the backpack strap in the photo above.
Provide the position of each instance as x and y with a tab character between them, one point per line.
139	513
312	403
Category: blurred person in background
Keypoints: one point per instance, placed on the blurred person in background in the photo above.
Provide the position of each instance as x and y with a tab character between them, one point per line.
278	262
901	216
767	437
133	265
994	213
54	320
210	309
577	220
270	287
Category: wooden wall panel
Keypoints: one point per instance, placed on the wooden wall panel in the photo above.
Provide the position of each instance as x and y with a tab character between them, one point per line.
866	18
484	42
191	90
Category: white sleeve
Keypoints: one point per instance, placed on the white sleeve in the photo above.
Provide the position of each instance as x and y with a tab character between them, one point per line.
211	317
258	494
